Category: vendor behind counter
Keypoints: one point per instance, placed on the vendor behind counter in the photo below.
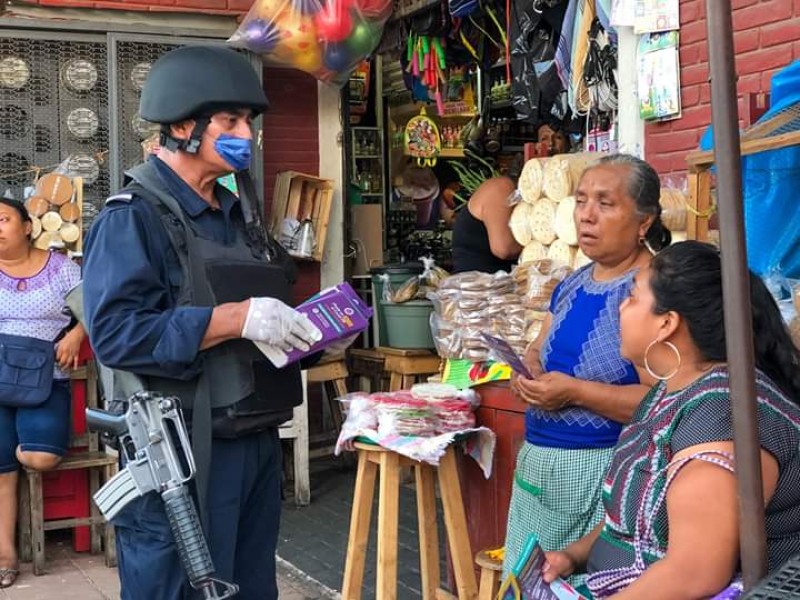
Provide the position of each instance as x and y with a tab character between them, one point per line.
482	238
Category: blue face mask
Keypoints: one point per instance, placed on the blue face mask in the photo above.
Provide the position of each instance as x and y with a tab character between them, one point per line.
234	150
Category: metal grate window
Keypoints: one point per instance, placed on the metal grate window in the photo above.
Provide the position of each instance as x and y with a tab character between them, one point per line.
54	108
132	61
74	96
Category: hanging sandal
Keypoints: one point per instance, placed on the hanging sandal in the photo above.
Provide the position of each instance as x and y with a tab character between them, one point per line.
8	577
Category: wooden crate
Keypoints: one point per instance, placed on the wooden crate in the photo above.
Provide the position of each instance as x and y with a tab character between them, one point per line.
303	197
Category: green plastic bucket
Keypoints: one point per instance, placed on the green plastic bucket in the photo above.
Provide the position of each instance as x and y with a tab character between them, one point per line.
408	324
398	275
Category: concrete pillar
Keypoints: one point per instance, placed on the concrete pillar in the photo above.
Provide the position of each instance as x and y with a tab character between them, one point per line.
331	159
631	127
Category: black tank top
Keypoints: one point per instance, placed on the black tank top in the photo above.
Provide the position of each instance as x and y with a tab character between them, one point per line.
471	249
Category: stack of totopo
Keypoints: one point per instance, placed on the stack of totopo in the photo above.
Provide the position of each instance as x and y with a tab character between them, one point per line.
542	221
674	211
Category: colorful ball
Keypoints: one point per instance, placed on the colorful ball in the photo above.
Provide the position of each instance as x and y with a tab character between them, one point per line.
297	36
364	38
333	24
261	36
309	61
337	57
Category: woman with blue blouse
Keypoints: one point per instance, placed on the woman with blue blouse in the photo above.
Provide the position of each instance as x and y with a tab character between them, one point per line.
583	391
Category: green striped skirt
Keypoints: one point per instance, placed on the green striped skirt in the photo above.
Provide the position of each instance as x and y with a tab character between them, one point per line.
557	496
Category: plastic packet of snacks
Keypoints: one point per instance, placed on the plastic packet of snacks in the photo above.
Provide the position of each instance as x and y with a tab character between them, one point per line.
538	279
453	408
446	337
400	413
362	414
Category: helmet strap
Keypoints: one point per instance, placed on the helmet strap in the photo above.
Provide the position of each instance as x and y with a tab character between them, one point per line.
192	145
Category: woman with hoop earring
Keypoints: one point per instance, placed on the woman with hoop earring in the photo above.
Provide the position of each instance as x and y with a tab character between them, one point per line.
671	528
583	390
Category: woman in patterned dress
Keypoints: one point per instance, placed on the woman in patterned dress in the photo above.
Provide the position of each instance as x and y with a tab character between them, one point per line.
688	540
584	391
33	285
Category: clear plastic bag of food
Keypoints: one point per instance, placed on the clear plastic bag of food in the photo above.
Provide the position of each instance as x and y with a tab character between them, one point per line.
400	413
445	336
326	39
408	291
452	407
514	198
538	280
362	415
455	414
387	292
445	303
432	275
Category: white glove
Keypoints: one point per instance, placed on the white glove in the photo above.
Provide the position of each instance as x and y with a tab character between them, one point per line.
273	323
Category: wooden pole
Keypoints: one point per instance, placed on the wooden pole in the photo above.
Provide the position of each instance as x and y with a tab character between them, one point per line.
736	291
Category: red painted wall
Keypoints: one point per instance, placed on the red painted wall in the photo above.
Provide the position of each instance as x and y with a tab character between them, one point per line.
219	7
766	38
291	143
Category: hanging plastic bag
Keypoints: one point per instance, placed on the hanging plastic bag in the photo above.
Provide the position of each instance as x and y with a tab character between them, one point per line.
535	32
535	82
432	274
388	292
326	39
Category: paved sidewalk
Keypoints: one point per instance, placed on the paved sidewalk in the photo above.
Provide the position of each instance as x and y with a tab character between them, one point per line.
311	550
73	576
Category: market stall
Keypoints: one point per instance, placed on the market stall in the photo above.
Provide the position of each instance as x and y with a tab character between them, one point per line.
452	91
450	101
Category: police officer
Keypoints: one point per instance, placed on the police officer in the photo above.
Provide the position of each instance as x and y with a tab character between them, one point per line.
177	279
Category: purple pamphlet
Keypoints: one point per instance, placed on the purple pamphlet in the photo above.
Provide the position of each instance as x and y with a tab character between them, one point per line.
338	312
507	354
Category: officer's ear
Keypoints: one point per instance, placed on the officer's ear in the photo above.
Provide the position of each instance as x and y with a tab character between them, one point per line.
182	130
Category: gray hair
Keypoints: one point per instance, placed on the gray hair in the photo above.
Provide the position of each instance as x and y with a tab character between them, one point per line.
644	187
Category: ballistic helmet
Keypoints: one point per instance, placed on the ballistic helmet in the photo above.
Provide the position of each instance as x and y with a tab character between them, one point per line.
194	82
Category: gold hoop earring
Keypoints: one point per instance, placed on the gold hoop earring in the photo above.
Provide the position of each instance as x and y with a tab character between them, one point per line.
650	371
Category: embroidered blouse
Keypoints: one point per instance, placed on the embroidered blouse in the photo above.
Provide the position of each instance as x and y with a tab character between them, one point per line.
583	342
665	424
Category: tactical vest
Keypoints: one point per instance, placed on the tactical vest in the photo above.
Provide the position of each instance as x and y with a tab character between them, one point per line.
243	390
